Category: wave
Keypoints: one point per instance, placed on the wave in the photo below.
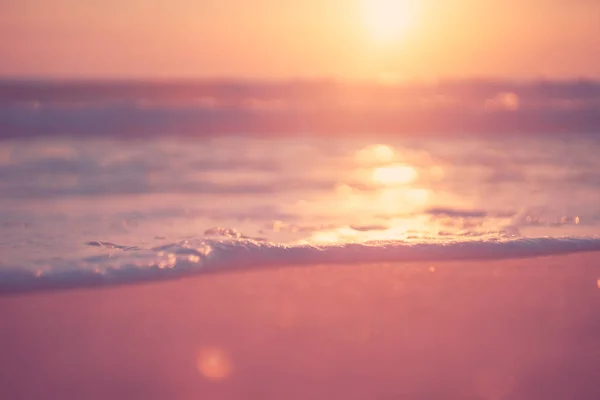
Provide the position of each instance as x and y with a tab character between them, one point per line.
118	265
42	109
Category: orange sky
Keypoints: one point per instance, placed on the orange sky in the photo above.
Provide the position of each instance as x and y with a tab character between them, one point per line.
275	39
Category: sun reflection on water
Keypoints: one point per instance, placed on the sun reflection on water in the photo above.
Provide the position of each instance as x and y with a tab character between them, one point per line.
394	175
376	154
390	194
390	210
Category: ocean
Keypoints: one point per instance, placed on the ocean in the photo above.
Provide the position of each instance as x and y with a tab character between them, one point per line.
120	207
100	210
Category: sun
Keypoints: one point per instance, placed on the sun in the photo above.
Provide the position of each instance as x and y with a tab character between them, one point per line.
388	21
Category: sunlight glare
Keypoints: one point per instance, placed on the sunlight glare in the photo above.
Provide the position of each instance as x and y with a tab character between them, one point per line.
383	153
399	200
388	20
394	175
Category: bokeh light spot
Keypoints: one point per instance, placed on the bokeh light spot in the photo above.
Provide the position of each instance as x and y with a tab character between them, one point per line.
214	364
505	101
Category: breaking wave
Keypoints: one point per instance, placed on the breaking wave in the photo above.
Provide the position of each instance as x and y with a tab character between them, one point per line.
117	264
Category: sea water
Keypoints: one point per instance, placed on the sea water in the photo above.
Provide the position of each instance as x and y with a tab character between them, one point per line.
98	210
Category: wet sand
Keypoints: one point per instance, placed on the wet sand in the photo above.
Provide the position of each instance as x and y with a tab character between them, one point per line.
522	329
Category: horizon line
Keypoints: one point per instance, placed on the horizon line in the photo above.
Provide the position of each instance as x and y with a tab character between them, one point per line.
486	79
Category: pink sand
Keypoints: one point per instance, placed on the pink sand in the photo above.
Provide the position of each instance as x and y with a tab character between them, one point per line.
527	329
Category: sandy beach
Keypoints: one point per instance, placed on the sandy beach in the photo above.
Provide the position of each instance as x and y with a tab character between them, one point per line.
520	329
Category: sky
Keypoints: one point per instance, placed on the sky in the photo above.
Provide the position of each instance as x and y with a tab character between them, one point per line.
391	40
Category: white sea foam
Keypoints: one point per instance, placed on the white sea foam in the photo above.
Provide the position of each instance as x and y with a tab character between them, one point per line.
133	264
